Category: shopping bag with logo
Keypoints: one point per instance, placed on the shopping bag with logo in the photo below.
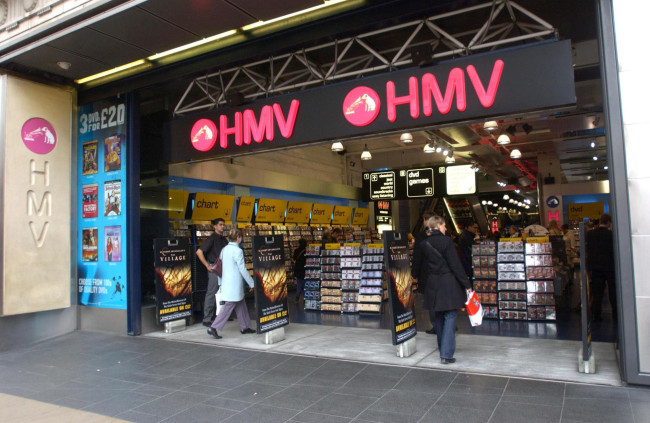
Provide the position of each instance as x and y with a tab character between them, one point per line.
474	309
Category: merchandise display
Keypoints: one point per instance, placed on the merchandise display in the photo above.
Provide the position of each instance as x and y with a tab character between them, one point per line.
511	279
350	276
330	272
540	284
371	292
484	255
312	278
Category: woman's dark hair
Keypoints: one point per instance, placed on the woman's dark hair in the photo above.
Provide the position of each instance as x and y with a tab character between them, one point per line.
302	243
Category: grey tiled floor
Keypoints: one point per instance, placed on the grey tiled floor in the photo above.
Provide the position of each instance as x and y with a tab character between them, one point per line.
151	380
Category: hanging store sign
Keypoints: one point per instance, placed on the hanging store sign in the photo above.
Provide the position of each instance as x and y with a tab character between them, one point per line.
270	210
383	213
405	184
341	215
360	217
270	275
298	212
539	77
321	214
212	206
400	291
245	209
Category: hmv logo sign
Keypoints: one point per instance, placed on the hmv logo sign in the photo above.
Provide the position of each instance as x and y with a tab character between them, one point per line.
539	77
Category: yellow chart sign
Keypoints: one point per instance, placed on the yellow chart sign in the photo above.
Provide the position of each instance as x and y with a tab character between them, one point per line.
298	212
360	217
177	203
211	206
321	214
582	210
270	210
342	215
245	209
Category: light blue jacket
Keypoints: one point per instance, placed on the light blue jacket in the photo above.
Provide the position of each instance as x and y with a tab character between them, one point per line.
234	273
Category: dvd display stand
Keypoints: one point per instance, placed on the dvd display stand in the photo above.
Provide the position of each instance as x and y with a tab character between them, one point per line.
511	279
540	275
372	279
330	278
350	277
484	257
247	246
312	278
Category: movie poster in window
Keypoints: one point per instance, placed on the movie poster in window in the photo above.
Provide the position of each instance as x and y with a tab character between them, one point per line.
89	244
400	290
270	275
89	201
89	158
112	243
113	198
112	153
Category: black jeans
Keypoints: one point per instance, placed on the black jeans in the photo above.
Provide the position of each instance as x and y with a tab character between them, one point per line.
598	281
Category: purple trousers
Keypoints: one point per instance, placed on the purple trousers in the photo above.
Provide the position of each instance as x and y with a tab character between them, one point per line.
226	310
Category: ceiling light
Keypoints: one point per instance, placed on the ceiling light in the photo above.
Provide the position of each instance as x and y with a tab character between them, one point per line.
406	138
593	144
515	154
503	139
491	125
438	149
489	203
484	202
450	159
64	65
527	207
428	148
337	146
445	152
595	158
366	154
495	205
511	201
506	197
606	167
517	190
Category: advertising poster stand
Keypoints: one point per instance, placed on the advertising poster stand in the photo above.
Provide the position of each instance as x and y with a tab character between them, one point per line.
173	269
401	299
270	286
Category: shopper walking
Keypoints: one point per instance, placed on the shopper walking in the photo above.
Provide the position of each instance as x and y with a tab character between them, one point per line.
553	228
446	284
465	247
417	252
600	265
234	273
299	261
207	254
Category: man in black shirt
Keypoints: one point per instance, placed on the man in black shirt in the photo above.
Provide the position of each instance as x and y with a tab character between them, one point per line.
207	254
465	247
600	265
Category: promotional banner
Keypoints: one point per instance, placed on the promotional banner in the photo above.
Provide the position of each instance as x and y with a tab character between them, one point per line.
102	257
342	215
321	214
270	283
477	86
298	212
177	203
400	292
211	206
588	210
360	217
245	209
173	267
270	210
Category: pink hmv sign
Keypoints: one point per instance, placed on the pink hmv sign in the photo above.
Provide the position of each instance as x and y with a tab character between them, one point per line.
38	136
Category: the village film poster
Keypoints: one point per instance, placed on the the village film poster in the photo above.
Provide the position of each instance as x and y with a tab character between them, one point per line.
173	269
400	290
270	282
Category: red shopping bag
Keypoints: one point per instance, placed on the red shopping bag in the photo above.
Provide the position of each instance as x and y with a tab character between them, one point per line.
474	309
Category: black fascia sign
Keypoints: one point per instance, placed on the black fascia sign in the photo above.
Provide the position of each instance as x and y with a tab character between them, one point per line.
518	80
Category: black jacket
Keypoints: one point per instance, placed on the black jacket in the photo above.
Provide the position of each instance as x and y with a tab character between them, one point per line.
465	247
299	263
212	247
440	271
600	250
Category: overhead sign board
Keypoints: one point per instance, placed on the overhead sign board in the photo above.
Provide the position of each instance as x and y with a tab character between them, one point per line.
405	184
211	206
360	217
245	209
475	87
321	214
270	210
298	212
341	215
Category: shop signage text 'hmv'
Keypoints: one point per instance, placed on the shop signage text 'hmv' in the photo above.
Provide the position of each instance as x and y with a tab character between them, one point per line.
473	87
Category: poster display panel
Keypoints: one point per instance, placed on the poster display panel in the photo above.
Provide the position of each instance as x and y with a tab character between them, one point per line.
270	283
401	299
173	269
102	258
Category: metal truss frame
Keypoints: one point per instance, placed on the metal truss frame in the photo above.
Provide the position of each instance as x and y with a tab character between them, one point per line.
384	50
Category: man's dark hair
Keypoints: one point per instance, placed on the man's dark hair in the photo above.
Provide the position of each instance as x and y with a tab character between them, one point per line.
217	220
565	227
605	219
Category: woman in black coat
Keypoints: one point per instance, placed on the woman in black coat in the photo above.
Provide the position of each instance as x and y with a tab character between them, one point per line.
446	284
300	260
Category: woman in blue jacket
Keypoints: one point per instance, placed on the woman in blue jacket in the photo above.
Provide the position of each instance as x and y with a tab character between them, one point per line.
234	273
